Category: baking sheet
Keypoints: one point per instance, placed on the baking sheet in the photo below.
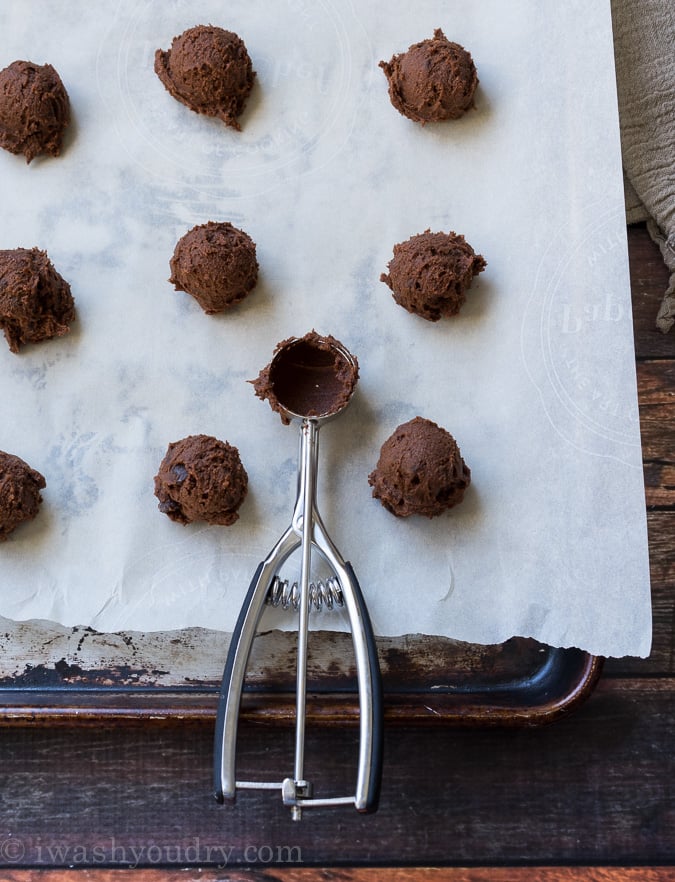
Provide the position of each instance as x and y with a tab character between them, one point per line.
535	378
83	677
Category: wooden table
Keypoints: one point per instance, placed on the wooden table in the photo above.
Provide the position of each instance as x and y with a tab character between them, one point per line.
596	788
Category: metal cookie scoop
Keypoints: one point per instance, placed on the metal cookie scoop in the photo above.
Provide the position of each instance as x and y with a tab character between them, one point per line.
310	379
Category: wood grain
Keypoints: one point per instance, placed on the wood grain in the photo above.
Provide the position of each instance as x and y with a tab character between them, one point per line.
359	874
661	661
656	396
660	485
596	786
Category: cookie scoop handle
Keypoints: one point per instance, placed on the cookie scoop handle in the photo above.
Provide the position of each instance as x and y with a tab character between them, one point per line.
372	708
225	741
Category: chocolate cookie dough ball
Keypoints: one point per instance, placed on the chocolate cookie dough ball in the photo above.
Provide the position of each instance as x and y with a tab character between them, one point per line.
420	471
215	263
34	109
20	497
201	479
35	301
209	70
434	80
430	273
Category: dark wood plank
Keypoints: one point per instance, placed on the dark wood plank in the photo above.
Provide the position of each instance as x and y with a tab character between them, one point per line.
599	783
661	527
660	485
661	661
656	395
357	874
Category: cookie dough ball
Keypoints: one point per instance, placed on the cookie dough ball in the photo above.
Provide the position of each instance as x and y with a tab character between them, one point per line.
215	263
35	301
201	479
209	70
434	80
430	273
420	471
20	497
34	109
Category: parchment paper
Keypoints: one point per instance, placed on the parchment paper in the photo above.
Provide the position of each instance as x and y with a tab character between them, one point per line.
535	378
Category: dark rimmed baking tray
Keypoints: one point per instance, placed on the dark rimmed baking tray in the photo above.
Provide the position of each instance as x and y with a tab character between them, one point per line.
427	680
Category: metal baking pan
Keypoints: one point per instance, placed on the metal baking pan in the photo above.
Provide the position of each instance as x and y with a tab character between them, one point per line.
79	676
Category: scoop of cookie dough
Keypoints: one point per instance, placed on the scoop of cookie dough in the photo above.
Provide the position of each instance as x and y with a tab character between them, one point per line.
420	471
201	479
20	497
434	80
308	376
209	70
34	109
215	263
35	300
430	273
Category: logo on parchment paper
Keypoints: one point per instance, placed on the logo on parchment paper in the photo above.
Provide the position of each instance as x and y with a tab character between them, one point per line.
577	337
305	101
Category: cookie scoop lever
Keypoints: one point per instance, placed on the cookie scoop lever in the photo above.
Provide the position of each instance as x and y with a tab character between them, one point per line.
310	380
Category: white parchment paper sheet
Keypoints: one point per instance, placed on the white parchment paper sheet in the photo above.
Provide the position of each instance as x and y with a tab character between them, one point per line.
535	378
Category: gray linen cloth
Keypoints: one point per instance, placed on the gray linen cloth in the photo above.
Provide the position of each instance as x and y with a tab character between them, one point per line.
644	45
